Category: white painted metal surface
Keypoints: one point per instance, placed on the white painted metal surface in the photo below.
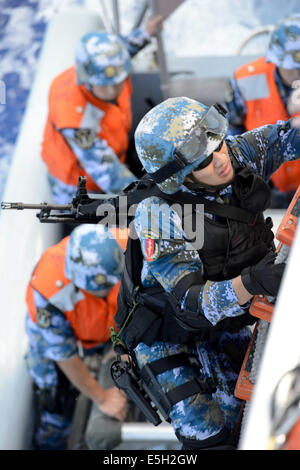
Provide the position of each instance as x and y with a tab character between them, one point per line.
22	237
137	432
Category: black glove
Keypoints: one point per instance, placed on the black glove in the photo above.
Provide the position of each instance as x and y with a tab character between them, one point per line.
264	277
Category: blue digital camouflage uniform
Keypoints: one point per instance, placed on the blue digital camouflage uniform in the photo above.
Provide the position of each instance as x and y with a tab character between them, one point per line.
202	416
57	342
100	160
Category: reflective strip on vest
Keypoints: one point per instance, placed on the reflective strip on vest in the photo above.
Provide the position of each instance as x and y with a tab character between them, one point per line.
66	298
91	118
254	87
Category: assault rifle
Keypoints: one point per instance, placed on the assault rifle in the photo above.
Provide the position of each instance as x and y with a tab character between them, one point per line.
83	209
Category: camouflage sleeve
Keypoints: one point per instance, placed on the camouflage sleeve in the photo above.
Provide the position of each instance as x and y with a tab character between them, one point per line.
51	336
236	108
99	160
168	257
136	41
267	147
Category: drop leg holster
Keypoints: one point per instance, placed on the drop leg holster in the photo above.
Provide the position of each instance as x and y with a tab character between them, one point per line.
145	391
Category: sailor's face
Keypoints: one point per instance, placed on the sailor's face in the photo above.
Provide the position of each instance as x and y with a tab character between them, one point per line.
107	93
218	172
100	294
289	76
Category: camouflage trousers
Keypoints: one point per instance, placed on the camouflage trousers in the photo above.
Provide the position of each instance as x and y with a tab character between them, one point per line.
203	415
53	411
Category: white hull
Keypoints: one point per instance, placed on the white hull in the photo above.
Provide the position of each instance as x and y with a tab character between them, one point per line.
22	238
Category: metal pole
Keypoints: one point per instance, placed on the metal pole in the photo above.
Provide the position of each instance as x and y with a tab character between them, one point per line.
164	75
116	15
140	15
104	15
137	432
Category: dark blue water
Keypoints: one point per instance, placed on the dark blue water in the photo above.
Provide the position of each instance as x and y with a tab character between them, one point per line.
22	27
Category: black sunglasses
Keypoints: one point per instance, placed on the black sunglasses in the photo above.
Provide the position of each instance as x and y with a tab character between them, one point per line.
208	159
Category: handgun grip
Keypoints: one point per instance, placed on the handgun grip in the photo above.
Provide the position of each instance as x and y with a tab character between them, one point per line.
125	382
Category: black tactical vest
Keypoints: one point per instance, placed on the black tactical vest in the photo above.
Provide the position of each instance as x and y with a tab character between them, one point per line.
240	238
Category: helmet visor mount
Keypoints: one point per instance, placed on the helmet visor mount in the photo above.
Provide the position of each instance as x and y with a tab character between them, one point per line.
205	138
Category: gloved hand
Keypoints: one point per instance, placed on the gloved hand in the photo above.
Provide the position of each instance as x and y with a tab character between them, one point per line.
264	277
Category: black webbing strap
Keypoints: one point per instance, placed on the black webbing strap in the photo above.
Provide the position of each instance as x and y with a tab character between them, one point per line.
171	362
181	197
150	371
213	207
186	282
188	389
168	170
137	195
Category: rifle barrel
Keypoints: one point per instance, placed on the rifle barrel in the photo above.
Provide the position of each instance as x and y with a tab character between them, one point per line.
21	206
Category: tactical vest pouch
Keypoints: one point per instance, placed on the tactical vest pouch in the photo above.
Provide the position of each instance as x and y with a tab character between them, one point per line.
144	322
251	190
152	320
145	326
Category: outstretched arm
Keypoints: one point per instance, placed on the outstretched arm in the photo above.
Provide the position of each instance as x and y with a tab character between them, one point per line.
99	161
267	147
169	259
56	341
139	38
110	401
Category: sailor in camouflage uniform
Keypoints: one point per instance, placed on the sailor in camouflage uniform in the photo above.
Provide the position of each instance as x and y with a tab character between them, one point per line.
72	300
181	144
260	93
284	52
89	116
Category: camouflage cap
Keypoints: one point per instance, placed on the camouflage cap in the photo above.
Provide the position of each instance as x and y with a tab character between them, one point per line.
284	46
101	59
94	259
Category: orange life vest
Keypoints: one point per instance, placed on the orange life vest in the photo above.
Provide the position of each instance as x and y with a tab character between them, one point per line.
264	106
90	317
67	105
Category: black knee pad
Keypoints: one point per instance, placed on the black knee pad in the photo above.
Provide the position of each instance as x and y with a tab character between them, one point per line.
220	441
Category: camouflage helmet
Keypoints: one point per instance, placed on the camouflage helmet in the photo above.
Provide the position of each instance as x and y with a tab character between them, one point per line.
101	59
284	45
94	259
176	137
